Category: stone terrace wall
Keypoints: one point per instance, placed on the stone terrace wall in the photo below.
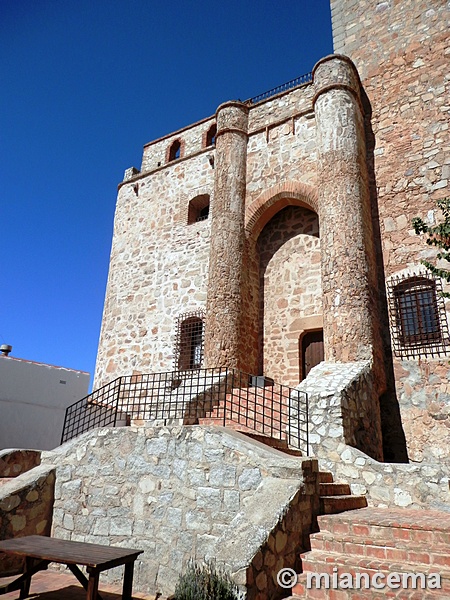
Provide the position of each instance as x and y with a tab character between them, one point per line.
423	486
184	492
343	408
26	506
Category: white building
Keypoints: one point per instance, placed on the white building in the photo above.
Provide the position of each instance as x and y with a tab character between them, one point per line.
33	400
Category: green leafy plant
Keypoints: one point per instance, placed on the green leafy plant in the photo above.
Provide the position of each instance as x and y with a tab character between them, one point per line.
438	236
205	582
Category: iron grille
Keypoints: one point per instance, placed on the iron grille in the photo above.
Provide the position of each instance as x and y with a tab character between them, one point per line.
418	317
189	340
226	397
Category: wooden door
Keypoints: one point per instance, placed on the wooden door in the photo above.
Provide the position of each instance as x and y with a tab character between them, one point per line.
311	351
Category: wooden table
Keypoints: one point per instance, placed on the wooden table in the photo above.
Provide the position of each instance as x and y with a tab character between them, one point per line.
39	551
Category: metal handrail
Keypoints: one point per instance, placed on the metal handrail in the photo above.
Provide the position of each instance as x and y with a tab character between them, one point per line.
223	395
302	79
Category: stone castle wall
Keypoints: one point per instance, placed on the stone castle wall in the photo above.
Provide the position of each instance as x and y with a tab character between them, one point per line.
159	264
366	160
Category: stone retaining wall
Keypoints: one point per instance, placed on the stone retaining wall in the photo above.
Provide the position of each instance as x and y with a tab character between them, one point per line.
186	492
26	506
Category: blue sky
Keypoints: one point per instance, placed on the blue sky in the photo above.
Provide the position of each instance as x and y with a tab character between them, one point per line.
84	85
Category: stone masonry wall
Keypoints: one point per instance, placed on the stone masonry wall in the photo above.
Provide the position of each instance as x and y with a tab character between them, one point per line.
158	269
282	142
290	289
193	138
26	506
185	492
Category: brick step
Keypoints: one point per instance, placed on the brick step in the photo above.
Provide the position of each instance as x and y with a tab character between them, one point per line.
325	477
391	526
334	489
317	561
301	590
331	505
363	551
378	547
278	444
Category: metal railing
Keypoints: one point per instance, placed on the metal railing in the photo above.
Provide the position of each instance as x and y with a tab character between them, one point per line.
210	396
307	78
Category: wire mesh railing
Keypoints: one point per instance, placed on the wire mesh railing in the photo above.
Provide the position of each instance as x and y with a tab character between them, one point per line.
222	396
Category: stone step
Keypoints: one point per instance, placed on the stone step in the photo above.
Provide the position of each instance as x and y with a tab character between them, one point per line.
334	489
331	505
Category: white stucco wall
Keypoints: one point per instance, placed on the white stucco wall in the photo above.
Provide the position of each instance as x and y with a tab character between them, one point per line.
33	400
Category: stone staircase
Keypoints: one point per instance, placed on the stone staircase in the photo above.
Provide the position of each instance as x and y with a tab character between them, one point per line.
376	540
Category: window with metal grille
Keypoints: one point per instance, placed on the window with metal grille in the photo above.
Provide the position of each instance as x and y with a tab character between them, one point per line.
189	341
198	209
418	317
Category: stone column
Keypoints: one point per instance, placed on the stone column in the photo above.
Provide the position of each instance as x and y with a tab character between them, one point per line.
346	237
223	308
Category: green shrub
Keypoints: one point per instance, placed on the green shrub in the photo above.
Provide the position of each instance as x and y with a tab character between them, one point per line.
205	582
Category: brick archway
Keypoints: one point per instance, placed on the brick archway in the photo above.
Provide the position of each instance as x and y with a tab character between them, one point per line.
263	208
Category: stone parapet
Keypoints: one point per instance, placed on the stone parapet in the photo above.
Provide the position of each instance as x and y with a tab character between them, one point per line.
388	485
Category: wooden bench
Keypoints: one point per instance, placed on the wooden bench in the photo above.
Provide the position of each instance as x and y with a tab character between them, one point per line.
39	551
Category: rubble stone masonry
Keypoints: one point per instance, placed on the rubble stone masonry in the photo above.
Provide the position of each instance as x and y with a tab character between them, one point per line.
402	52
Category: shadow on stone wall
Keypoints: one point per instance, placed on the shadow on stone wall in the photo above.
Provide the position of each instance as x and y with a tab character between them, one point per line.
394	440
26	508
